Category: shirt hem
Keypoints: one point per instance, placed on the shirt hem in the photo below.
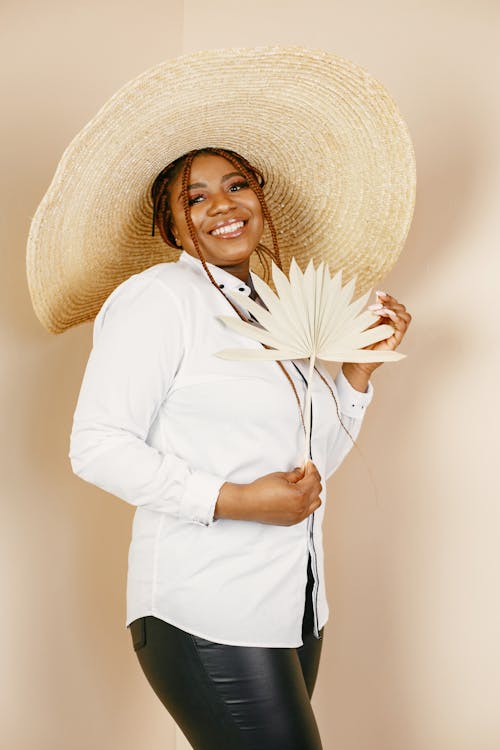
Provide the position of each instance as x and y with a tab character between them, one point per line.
207	637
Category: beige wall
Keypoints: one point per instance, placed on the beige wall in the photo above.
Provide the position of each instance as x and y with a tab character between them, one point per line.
69	679
411	653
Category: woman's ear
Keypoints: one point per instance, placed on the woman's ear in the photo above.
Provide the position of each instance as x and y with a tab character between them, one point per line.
174	233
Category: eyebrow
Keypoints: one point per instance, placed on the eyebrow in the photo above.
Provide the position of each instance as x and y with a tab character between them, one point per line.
204	184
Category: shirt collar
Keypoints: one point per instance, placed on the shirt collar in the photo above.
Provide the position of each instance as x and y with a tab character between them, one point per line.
224	279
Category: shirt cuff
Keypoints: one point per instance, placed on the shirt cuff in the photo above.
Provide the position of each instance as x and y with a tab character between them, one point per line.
353	403
198	502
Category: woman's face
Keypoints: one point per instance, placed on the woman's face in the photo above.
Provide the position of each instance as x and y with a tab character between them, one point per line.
226	213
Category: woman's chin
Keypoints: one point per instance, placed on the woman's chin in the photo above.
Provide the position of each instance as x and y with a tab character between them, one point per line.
230	252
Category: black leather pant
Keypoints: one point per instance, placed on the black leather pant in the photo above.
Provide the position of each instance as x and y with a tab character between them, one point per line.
233	697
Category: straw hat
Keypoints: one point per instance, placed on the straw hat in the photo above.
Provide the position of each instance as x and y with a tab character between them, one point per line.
334	150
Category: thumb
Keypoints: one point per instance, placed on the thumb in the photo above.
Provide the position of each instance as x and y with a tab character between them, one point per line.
295	474
308	466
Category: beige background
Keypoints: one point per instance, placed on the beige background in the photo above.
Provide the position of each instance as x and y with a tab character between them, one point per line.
411	655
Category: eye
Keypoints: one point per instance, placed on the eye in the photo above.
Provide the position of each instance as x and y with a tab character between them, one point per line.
194	199
240	185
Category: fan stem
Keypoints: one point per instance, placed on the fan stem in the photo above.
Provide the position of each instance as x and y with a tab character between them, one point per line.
307	408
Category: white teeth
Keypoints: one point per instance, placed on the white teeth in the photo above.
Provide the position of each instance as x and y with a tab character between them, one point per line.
227	228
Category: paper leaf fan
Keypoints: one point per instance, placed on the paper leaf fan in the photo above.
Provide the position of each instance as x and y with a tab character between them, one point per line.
311	316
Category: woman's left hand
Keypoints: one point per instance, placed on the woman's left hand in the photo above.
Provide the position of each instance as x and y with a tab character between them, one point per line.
394	313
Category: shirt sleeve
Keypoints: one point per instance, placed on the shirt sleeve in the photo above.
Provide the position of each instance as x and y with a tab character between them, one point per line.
137	348
352	406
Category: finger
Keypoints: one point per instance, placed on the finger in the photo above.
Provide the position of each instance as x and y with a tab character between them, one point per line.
399	326
295	475
396	307
310	467
310	485
389	302
383	296
386	312
308	478
314	505
314	472
400	320
391	341
405	316
395	314
399	330
388	305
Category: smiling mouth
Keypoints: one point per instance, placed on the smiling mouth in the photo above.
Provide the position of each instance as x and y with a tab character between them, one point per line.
230	229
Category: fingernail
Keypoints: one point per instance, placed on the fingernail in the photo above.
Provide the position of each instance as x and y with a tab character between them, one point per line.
381	294
378	306
390	313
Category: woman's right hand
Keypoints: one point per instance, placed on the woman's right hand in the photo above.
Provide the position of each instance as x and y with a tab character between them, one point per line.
283	498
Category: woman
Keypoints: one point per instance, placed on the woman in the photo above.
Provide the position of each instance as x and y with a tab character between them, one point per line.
201	593
226	598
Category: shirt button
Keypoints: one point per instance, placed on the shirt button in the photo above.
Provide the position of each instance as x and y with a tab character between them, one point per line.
221	286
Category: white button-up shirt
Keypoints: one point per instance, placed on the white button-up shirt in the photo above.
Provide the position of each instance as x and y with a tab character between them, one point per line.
162	423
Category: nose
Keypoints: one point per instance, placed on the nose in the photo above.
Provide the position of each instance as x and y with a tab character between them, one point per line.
221	202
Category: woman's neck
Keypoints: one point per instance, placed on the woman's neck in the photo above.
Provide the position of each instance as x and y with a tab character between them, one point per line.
240	270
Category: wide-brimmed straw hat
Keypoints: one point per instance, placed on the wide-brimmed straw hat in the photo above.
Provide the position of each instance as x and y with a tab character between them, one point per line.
334	150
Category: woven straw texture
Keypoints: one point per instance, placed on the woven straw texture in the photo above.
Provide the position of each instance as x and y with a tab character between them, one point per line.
334	149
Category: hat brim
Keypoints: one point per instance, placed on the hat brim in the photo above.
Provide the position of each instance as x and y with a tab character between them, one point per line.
331	143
